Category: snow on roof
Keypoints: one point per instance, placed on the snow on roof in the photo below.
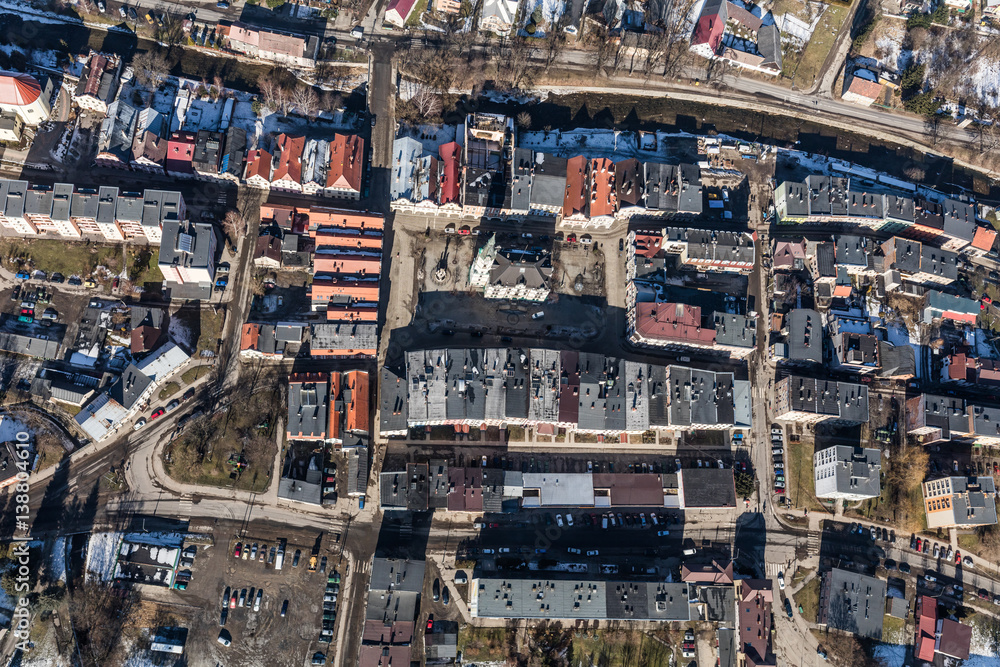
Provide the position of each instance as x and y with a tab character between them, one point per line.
167	360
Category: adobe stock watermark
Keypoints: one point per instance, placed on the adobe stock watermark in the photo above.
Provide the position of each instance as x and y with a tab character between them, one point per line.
21	618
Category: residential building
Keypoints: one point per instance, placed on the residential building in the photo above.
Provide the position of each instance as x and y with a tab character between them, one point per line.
521	276
345	174
258	169
98	84
269	341
149	144
180	153
234	146
13	196
855	352
852	602
673	190
848	473
287	173
447	6
47	210
789	255
11	127
26	96
920	263
147	329
205	160
498	16
343	339
754	601
962	502
309	413
398	11
578	599
810	401
187	253
943	306
805	336
983	242
932	418
939	635
862	87
278	47
114	143
759	46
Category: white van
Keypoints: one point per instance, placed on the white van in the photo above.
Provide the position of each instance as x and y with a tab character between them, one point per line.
279	560
689	552
604	522
539	315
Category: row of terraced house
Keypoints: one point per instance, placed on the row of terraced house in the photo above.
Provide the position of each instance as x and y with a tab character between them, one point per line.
489	176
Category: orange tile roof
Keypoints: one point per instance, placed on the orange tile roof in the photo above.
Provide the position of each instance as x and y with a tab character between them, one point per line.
648	245
322	216
357	411
352	313
249	336
926	628
865	88
347	264
347	162
289	159
602	187
984	238
842	291
575	199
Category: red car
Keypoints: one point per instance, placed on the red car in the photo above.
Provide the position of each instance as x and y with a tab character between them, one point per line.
919	543
238	550
430	622
157	414
958	558
232	601
986	299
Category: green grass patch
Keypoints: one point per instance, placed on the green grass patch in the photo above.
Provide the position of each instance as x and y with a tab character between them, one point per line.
67	258
894	630
968	542
799	484
808	599
205	451
418	12
483	644
818	48
800	574
211	329
192	374
616	648
142	265
169	389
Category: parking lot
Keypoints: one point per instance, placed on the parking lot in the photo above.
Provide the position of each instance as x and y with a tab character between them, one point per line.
260	634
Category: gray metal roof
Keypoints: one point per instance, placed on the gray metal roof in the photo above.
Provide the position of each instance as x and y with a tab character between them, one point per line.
62	194
857	470
735	330
397	575
38	201
852	602
972	501
202	252
344	335
118	130
130	386
853	250
580	599
308	409
129	208
959	219
107	201
805	335
708	487
392	401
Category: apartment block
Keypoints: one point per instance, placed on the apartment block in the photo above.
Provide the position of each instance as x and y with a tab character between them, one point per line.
848	473
810	401
962	502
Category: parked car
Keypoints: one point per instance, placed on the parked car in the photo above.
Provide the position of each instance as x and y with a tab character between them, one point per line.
445	596
295	559
156	414
781	580
436	589
284	608
256	602
904	567
225	638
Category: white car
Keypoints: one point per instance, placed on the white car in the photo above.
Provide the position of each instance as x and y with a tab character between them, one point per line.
573	550
721	465
569	519
139	424
781	580
225	638
504	550
559	520
593	552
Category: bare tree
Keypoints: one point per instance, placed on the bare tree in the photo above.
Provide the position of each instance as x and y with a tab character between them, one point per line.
524	120
511	61
330	101
282	100
426	102
305	100
268	92
149	68
233	224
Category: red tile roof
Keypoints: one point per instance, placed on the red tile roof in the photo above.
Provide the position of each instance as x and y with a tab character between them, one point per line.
709	31
449	184
347	162
180	151
865	88
18	90
258	164
602	187
672	322
648	245
357	410
249	335
926	628
575	199
289	159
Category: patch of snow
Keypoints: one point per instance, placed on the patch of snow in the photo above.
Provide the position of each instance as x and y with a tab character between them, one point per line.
984	79
10	427
891	655
552	10
889	47
102	555
56	563
25	11
431	137
795	29
180	334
